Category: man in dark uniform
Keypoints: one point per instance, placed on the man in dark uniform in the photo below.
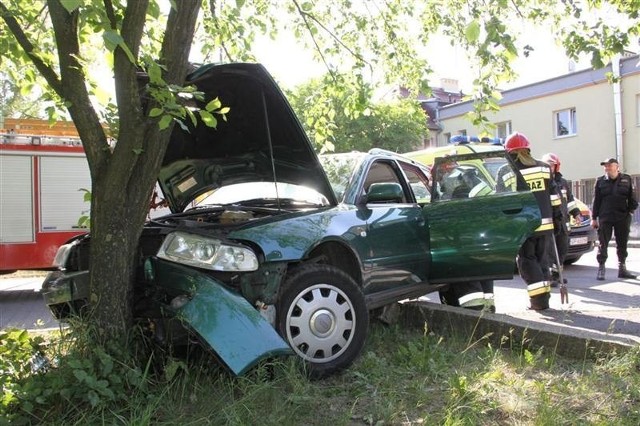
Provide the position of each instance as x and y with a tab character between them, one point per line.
613	205
533	260
561	225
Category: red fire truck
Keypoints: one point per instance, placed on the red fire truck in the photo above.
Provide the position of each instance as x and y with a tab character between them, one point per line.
42	176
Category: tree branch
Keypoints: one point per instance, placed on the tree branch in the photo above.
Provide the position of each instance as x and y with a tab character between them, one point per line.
47	72
73	85
305	17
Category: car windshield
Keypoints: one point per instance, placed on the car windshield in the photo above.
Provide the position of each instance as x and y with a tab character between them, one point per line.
339	168
257	191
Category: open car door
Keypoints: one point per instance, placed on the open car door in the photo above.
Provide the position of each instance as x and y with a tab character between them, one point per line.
475	229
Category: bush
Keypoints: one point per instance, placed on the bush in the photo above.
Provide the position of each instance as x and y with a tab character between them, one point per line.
84	376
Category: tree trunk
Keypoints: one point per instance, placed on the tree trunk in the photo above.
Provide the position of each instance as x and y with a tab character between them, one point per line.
122	188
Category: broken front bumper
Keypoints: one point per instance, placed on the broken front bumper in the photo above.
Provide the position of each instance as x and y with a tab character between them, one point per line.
65	293
223	320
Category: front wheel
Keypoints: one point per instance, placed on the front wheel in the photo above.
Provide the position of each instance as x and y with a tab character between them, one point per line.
323	316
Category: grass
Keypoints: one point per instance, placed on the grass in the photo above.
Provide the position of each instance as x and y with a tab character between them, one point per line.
404	377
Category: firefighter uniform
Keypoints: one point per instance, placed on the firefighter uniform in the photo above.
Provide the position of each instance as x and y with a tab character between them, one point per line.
477	295
533	259
565	206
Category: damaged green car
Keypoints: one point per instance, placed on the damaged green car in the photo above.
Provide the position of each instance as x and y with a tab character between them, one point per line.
268	251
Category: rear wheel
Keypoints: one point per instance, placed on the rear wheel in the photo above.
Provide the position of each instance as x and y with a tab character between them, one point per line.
323	316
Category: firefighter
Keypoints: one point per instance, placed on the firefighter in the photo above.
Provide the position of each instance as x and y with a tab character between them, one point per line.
613	205
533	262
561	225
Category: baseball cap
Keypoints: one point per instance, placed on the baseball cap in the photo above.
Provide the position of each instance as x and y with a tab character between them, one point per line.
609	161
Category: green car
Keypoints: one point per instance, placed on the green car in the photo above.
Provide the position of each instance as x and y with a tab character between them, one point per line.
268	251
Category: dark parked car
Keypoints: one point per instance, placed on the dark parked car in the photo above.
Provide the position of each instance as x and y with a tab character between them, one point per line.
265	255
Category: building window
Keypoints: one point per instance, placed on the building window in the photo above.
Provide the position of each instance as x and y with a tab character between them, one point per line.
503	129
565	122
447	138
462	132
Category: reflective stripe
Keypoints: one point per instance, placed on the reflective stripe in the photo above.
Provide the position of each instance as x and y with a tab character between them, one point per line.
536	173
545	225
471	299
509	180
480	190
540	287
555	200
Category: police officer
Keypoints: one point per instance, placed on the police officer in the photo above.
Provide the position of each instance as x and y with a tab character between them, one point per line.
533	262
567	207
613	205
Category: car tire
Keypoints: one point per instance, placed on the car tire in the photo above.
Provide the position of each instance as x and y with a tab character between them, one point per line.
323	316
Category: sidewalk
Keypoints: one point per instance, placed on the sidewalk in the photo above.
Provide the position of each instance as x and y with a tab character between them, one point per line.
21	305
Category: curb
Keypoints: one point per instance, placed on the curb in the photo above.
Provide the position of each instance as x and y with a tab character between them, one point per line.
505	331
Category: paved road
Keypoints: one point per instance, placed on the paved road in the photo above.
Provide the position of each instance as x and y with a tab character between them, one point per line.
21	304
611	306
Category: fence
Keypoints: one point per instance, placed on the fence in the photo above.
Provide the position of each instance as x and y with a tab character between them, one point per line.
583	189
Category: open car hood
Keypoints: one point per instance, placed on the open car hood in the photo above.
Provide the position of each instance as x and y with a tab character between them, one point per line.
261	140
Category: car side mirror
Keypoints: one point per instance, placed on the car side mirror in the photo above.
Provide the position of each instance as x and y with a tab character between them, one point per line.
385	193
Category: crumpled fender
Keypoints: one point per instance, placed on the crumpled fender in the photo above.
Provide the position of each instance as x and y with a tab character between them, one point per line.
223	320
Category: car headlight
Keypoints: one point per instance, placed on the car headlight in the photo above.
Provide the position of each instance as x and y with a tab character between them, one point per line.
63	254
207	253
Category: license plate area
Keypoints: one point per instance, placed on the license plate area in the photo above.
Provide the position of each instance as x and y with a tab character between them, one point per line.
578	241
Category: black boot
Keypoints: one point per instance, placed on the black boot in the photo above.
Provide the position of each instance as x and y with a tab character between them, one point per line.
540	302
600	276
623	273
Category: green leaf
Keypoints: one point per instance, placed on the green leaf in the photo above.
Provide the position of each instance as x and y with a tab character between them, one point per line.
208	118
155	112
71	5
192	116
472	32
128	52
155	73
213	105
165	121
112	39
224	110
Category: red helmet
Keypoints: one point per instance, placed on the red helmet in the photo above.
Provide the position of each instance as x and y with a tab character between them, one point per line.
516	141
553	160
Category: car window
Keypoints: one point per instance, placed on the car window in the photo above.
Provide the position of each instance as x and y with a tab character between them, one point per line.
418	182
465	176
339	169
493	165
382	172
237	193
